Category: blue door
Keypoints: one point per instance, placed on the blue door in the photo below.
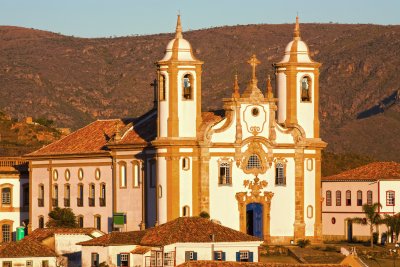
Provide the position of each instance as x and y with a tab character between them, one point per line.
254	219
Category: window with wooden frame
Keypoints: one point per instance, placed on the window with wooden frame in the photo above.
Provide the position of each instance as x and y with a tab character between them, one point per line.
7	264
338	198
122	174
305	89
359	198
6	196
390	198
45	263
55	196
225	172
219	256
92	195
244	256
186	211
369	197
136	173
29	263
190	256
185	163
254	162
162	87
123	259
348	198
67	195
94	262
328	198
79	199
6	233
169	259
97	222
41	222
79	220
102	198
280	173
41	195
187	86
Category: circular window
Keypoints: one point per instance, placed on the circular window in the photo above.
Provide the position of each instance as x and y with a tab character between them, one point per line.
67	174
80	174
97	174
255	112
333	220
55	175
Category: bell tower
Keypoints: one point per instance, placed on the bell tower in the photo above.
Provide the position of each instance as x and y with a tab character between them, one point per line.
179	89
297	83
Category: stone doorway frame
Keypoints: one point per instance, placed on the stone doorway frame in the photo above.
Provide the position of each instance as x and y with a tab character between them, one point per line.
255	196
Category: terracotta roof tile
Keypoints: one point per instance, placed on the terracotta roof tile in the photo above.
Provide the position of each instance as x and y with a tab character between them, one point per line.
192	230
26	248
141	250
250	264
116	238
372	171
41	234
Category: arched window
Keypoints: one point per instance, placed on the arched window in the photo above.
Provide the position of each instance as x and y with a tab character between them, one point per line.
6	196
186	211
92	195
136	173
338	198
328	198
79	219
225	173
359	198
97	222
188	86
348	198
41	222
41	195
185	163
55	195
254	162
280	178
102	195
306	89
67	195
161	87
122	173
80	195
369	197
6	233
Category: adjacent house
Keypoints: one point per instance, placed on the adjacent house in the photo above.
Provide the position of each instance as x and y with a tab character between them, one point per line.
345	193
170	244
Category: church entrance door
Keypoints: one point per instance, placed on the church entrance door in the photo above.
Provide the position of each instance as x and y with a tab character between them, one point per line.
254	219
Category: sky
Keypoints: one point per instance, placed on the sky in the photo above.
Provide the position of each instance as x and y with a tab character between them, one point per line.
104	18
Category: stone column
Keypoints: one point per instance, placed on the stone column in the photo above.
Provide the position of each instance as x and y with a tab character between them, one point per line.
299	225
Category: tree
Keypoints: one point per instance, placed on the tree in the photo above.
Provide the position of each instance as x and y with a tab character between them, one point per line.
393	224
372	218
62	218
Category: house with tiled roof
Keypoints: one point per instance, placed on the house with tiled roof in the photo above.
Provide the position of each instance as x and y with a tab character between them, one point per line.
63	241
170	244
346	192
255	165
28	253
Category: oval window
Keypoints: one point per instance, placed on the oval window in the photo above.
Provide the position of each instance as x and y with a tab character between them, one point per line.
255	112
67	174
80	174
333	220
97	174
55	175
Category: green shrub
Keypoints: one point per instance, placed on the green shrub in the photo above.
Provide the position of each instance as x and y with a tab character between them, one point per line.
303	243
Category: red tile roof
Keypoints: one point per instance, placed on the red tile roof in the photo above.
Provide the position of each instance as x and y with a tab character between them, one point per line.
141	250
250	264
26	248
116	238
372	171
41	234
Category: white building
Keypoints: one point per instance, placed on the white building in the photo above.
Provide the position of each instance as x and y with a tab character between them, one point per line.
14	190
256	168
170	244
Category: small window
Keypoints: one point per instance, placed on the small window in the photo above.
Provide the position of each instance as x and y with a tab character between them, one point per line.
359	198
55	195
333	220
338	198
6	196
124	259
162	85
348	198
280	178
97	174
254	162
219	256
255	112
188	87
136	174
190	256
67	175
95	260
310	211
122	174
97	222
186	211
55	175
390	198
80	195
41	196
7	263
80	174
6	233
185	163
67	195
45	263
102	195
244	256
225	177
329	198
306	89
29	263
369	197
92	195
80	221
41	222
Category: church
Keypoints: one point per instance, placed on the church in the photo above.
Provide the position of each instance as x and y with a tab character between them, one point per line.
256	169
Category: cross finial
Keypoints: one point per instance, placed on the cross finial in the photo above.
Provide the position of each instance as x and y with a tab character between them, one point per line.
296	33
178	31
236	93
253	61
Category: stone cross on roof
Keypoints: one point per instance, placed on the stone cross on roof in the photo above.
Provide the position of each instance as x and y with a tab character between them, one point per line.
253	61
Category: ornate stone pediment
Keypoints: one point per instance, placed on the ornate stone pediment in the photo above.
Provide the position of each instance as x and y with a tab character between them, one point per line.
254	160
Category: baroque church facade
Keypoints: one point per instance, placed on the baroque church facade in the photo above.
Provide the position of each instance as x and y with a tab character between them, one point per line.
256	169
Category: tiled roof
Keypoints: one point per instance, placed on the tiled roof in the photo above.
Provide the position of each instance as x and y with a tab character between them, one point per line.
26	248
372	171
141	250
250	264
41	234
116	238
192	230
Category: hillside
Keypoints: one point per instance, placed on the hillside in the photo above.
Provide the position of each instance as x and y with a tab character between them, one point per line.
76	80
